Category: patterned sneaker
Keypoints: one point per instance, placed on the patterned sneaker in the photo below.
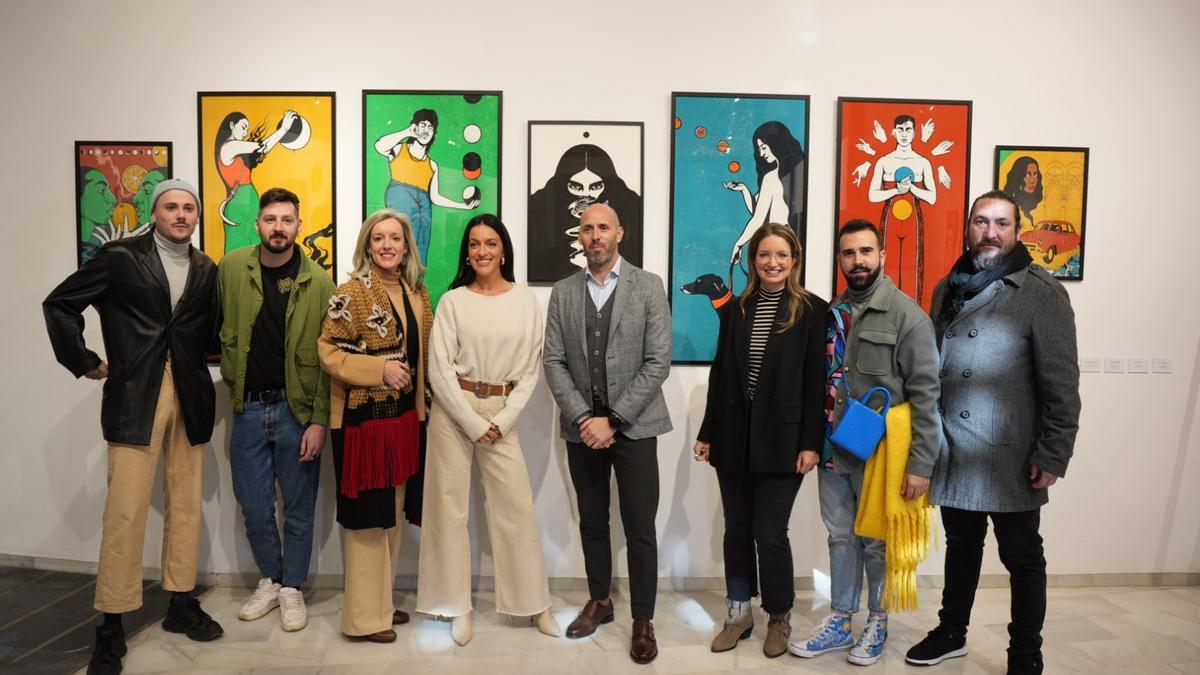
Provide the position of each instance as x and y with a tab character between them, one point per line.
264	599
869	647
293	615
831	635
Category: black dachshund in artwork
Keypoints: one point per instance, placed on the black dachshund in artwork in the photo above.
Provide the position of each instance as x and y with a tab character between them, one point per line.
710	286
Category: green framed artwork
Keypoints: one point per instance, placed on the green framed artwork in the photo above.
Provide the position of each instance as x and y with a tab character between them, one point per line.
435	157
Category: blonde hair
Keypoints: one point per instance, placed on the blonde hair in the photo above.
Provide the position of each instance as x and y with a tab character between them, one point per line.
797	296
412	272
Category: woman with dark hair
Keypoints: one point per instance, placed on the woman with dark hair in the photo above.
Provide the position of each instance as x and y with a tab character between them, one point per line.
237	150
485	357
374	345
762	429
779	162
1024	184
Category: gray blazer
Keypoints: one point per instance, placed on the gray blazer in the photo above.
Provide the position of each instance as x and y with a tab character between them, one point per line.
1010	392
639	352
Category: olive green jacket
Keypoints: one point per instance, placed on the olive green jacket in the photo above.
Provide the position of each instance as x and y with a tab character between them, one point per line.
307	385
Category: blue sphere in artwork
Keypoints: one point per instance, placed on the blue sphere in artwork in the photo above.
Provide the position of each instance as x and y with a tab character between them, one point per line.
904	173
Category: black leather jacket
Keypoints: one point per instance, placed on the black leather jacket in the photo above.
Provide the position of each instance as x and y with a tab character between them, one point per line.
126	283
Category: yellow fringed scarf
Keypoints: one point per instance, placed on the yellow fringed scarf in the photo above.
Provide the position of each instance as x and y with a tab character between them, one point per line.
905	526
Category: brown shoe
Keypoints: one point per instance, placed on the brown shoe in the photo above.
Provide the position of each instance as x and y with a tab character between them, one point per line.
739	624
385	636
643	648
779	631
592	615
399	617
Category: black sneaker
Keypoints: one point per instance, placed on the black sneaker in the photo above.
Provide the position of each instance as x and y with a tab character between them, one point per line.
185	616
1028	664
939	645
110	649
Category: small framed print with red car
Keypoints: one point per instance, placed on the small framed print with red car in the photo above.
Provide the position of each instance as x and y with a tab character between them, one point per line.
1050	186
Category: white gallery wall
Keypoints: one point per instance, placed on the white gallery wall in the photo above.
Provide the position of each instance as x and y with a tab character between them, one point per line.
1121	78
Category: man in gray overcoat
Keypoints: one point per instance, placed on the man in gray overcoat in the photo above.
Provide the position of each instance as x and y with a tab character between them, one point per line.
1010	412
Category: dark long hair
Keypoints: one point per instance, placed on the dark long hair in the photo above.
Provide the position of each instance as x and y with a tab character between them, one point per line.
224	133
784	146
466	274
1014	186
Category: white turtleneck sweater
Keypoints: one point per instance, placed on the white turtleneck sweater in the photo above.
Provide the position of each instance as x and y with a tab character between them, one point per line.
176	260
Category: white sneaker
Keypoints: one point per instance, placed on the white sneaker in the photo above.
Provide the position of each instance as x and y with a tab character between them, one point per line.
264	599
293	615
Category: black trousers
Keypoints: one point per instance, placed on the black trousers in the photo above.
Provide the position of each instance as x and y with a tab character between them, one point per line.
1020	551
636	466
757	551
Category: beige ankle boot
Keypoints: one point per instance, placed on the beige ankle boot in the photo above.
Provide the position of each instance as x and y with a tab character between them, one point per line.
739	623
779	631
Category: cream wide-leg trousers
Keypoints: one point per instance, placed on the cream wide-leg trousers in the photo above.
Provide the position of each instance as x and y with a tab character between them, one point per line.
444	575
371	557
131	470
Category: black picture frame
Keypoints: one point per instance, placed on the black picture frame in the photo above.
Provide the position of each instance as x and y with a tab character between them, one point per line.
1063	195
82	168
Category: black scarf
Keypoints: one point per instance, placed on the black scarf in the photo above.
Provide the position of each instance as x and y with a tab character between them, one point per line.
965	282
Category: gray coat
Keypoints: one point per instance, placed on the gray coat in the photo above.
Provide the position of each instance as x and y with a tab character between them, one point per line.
1010	392
639	352
891	345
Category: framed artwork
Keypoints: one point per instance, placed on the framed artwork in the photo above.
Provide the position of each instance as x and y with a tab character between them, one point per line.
573	165
435	157
1050	185
905	166
738	161
114	181
252	141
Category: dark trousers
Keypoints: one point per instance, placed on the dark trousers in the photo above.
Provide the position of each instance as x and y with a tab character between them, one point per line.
757	551
636	466
1020	551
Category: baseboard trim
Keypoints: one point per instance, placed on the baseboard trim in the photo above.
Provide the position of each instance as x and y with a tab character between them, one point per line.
409	582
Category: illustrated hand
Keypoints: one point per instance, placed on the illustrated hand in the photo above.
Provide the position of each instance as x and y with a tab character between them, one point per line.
472	203
941	148
806	460
736	256
289	116
1041	478
311	442
927	130
914	486
878	132
865	147
597	433
943	177
701	451
860	172
397	375
904	186
734	185
99	372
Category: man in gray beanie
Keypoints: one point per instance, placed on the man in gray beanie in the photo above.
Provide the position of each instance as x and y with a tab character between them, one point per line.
157	300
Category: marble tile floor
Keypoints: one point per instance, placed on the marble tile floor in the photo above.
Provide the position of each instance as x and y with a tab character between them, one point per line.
1100	631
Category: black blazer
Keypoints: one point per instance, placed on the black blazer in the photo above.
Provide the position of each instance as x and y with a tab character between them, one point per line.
126	283
787	413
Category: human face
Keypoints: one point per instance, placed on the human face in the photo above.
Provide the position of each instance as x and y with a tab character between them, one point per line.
97	201
141	201
425	131
860	259
386	245
904	133
774	262
175	215
599	234
764	151
991	232
240	129
1032	175
278	224
485	251
586	187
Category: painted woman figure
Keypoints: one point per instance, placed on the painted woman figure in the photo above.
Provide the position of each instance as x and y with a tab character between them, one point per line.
779	162
1024	185
238	149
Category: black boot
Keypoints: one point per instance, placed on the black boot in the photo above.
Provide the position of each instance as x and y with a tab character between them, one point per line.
185	616
110	649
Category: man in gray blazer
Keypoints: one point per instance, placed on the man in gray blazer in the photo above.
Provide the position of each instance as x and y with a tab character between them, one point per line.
606	355
1010	412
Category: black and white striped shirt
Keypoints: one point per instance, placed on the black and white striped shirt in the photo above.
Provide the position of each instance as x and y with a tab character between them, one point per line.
760	330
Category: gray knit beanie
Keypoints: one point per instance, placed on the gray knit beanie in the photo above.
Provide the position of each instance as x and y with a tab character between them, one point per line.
174	184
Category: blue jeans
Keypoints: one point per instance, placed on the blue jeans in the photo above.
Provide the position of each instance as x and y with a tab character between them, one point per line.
264	447
849	553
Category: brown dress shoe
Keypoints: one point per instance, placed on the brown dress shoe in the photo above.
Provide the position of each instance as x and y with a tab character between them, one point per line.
385	636
779	631
399	617
643	648
592	615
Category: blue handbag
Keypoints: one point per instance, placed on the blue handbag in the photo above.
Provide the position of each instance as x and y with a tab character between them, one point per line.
862	428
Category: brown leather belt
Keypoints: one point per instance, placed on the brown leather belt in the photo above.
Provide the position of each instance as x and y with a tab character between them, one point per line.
483	389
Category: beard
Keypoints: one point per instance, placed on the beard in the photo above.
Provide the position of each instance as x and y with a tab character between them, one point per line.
276	249
986	261
866	282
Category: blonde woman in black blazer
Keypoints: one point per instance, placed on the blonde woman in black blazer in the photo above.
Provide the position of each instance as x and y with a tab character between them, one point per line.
762	429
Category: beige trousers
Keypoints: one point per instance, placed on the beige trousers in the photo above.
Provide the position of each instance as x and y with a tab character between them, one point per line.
371	557
131	471
444	576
